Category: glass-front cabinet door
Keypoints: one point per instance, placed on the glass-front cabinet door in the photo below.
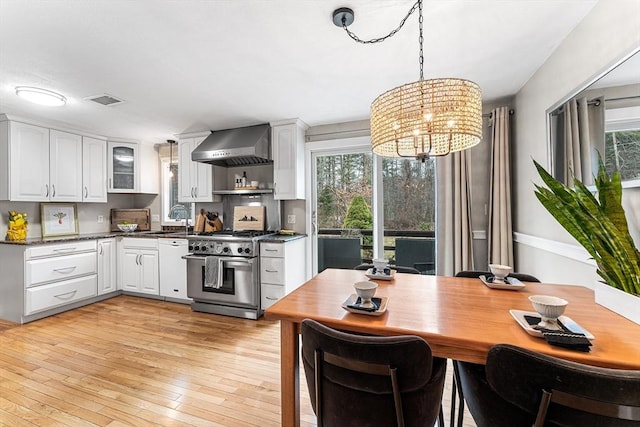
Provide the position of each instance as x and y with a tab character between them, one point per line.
123	163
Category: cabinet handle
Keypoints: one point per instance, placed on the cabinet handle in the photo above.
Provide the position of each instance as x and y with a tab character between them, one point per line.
271	250
47	187
138	259
53	188
65	250
65	270
100	248
86	192
271	298
270	271
62	296
110	186
193	192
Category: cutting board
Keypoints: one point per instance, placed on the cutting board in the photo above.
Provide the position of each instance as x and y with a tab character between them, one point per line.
248	218
133	216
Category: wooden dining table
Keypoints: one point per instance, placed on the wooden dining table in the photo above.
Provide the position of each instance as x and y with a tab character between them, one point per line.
460	318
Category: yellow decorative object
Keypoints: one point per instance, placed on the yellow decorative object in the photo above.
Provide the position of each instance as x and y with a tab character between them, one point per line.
17	226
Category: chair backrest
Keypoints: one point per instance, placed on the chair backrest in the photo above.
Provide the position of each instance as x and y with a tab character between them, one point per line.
475	274
397	268
357	380
338	252
556	392
416	253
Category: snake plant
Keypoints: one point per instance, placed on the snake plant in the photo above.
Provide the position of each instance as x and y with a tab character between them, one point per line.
599	225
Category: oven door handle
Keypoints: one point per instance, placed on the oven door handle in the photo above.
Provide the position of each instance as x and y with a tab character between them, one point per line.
188	256
237	259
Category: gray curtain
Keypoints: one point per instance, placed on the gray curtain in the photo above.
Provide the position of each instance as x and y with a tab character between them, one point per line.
454	242
583	136
499	235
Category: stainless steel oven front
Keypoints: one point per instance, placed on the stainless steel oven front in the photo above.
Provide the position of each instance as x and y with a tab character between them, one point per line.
234	292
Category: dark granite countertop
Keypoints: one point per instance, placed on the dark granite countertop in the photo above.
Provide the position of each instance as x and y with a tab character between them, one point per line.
282	238
94	236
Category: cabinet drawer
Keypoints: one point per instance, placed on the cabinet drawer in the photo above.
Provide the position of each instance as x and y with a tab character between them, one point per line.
270	294
272	249
56	294
44	270
140	242
272	270
60	249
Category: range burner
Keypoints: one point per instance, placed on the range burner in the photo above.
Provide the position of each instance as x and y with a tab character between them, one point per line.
227	243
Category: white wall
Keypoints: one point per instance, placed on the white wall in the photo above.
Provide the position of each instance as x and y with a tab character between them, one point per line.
602	39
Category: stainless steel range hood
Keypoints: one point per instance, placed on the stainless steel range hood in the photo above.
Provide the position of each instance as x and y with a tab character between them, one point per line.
236	147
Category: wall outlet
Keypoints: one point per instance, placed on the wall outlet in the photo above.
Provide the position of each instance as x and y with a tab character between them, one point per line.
100	219
155	218
291	219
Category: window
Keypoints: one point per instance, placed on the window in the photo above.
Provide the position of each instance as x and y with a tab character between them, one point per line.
169	197
366	207
622	142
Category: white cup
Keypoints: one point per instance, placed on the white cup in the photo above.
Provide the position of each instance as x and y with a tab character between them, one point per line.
366	291
380	264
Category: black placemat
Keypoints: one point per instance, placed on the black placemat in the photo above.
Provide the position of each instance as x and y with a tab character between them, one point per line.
565	338
356	305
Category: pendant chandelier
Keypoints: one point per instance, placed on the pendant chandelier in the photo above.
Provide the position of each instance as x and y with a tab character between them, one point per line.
426	118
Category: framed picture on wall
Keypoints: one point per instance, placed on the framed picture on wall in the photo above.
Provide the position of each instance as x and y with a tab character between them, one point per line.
58	219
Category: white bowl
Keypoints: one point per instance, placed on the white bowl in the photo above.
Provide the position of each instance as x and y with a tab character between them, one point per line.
365	290
127	228
548	307
380	264
500	271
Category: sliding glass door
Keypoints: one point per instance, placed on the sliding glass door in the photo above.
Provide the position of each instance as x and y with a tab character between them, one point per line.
365	207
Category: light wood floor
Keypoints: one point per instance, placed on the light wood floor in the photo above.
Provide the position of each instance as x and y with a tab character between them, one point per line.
141	362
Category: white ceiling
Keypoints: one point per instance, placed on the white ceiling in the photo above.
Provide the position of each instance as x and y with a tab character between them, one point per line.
194	65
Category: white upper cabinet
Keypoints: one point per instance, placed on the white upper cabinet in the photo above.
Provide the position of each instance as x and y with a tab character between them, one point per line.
24	162
132	168
38	164
94	170
195	183
287	142
65	167
122	164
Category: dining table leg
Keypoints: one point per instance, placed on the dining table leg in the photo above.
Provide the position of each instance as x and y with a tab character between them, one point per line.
289	374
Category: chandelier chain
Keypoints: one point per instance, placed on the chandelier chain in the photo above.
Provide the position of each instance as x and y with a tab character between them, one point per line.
392	33
421	40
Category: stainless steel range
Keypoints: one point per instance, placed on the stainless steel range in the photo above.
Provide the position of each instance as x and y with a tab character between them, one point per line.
223	273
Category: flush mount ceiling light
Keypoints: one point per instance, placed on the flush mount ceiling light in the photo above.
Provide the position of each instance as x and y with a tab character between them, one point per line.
41	96
426	118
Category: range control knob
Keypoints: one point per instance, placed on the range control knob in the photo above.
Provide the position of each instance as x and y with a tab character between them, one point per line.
190	247
225	249
197	248
247	251
203	247
239	250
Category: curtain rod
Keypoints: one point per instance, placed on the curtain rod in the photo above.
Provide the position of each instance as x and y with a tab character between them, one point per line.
490	115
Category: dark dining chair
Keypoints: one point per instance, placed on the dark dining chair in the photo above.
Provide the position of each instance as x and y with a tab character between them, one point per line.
357	380
469	379
546	391
397	268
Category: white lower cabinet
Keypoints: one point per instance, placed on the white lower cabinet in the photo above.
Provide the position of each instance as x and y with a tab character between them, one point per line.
59	293
60	274
282	269
138	266
173	268
106	266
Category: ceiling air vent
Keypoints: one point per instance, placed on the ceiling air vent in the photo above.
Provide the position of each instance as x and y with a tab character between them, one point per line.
105	99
